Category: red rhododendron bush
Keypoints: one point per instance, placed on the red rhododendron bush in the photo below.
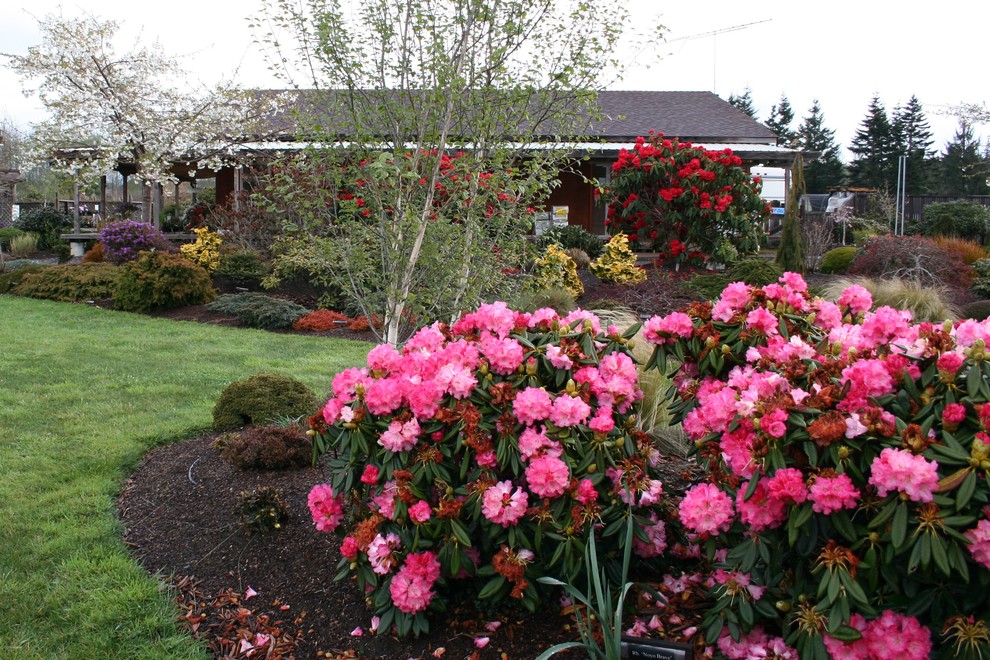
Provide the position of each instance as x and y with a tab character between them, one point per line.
845	509
689	204
479	456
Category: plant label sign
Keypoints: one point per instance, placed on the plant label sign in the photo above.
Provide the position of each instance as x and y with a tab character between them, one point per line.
635	648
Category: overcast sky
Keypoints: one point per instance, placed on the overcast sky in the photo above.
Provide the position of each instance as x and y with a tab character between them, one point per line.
840	52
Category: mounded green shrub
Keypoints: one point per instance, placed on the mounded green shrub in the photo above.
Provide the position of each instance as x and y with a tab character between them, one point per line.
574	236
47	222
241	266
963	219
258	310
269	448
755	271
160	280
837	260
262	399
708	285
7	233
70	283
11	279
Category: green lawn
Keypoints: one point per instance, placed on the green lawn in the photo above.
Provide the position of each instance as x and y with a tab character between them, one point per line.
84	392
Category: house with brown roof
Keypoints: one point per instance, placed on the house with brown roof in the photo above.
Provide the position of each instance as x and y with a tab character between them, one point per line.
701	118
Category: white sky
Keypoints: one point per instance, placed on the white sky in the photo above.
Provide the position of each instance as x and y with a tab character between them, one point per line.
840	52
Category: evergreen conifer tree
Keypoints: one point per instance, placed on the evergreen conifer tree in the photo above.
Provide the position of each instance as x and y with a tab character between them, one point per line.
914	135
781	116
875	150
827	170
744	102
790	253
964	169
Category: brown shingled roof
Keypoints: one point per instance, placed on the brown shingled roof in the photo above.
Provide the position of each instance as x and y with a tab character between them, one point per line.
694	116
626	115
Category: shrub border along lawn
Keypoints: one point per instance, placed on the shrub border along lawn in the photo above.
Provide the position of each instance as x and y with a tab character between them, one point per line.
84	393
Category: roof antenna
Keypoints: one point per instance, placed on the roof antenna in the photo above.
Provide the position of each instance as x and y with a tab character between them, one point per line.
714	35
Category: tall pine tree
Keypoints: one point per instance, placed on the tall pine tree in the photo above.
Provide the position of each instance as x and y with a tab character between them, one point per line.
874	147
812	135
914	136
781	116
964	169
744	102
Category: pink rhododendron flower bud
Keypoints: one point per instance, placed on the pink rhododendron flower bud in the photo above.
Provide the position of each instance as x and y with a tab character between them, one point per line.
486	459
349	548
502	505
900	470
383	358
787	486
504	355
547	476
831	494
664	329
774	423
327	509
569	411
420	512
761	511
953	414
706	510
532	405
370	475
602	422
856	299
950	362
586	492
763	321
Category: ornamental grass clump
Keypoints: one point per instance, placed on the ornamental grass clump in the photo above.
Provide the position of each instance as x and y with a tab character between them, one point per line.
847	453
618	264
477	457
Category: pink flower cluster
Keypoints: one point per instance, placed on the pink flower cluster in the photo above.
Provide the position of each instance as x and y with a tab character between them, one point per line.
891	635
412	587
326	508
901	471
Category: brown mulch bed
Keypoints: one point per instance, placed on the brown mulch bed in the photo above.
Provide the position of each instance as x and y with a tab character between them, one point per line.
178	510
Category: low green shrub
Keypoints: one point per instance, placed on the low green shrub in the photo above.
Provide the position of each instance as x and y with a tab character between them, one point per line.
961	218
70	283
269	448
708	285
262	399
574	236
258	310
7	233
977	310
755	271
47	222
62	252
159	280
16	273
241	266
837	260
262	510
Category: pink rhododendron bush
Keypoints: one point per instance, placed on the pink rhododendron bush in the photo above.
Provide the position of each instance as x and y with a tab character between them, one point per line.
845	511
477	457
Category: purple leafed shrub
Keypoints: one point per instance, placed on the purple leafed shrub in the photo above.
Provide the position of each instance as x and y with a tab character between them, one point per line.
125	239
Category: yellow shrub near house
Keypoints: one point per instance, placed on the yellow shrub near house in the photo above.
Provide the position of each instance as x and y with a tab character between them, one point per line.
555	269
618	263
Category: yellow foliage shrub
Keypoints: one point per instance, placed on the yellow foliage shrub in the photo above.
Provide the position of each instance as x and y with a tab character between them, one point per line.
618	263
205	251
556	270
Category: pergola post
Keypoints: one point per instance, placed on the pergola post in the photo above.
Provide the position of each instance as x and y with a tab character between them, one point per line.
103	197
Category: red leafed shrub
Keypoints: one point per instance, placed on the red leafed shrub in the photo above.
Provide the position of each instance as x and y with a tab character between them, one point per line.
322	320
360	324
913	258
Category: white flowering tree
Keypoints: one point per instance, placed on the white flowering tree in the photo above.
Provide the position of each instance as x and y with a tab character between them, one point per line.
392	87
107	108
